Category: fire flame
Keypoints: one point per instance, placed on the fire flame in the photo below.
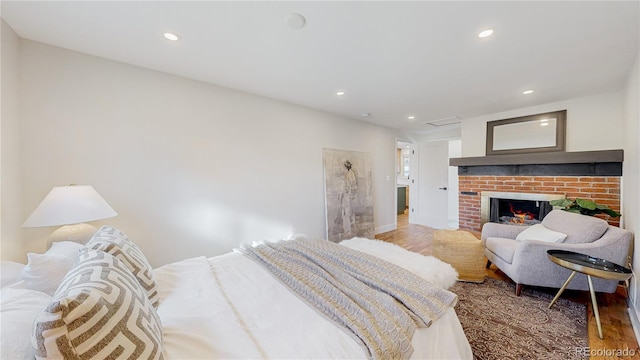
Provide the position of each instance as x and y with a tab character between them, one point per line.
519	216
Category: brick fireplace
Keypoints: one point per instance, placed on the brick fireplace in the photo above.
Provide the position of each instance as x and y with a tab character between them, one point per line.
603	190
594	175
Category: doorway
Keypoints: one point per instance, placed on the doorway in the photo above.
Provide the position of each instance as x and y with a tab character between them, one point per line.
404	152
434	195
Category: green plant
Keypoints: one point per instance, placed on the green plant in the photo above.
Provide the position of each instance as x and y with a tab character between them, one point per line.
584	207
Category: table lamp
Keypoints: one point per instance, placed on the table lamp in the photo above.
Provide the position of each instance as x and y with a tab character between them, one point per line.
70	206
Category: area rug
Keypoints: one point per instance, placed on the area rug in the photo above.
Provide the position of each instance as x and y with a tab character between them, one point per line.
501	325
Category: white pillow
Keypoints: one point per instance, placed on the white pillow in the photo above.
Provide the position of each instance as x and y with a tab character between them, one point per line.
18	310
9	272
541	233
44	272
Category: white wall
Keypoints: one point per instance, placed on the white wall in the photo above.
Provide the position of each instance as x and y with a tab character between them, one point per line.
631	172
593	123
455	151
192	169
11	246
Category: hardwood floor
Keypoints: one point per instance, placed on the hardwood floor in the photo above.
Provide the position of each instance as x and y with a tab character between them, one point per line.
616	324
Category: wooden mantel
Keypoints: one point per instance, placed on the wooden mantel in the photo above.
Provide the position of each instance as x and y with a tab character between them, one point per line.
587	163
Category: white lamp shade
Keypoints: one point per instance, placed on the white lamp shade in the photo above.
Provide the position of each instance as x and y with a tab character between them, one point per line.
71	204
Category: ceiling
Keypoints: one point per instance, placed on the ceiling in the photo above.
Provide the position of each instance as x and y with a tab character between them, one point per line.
392	59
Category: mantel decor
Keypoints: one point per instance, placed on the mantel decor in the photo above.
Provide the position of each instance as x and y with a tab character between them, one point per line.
585	207
527	134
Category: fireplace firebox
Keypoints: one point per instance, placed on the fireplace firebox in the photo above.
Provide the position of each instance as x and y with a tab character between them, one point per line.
518	212
515	208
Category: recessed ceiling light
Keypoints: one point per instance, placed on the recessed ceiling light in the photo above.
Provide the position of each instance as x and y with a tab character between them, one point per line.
340	93
485	33
296	21
527	92
171	36
365	114
411	117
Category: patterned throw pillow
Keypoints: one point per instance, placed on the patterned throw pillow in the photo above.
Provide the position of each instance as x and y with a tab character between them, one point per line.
116	243
100	312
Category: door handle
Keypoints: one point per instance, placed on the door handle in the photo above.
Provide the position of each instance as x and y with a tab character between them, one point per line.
442	188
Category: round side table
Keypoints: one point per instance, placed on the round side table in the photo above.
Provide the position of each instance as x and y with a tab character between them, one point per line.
590	266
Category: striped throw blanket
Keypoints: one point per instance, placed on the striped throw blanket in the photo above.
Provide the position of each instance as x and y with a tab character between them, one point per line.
377	302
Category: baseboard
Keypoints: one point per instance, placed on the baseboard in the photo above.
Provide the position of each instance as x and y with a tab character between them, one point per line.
420	220
385	228
635	322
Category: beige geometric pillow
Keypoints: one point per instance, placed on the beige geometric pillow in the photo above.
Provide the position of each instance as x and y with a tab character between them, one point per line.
116	243
100	312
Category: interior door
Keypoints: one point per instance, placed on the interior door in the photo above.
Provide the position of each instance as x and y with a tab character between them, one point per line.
433	184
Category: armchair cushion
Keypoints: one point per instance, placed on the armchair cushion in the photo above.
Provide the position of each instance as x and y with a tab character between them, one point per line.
503	248
579	228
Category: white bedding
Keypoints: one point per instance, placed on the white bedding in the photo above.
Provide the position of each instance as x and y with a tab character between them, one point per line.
229	307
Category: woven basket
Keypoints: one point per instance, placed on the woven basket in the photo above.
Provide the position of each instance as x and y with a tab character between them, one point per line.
463	251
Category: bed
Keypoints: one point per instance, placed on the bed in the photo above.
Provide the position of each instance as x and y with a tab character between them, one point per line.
223	307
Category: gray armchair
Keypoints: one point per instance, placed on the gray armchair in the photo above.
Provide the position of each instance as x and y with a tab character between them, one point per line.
526	261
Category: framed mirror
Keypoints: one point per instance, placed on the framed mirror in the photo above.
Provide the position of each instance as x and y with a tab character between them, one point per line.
527	134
